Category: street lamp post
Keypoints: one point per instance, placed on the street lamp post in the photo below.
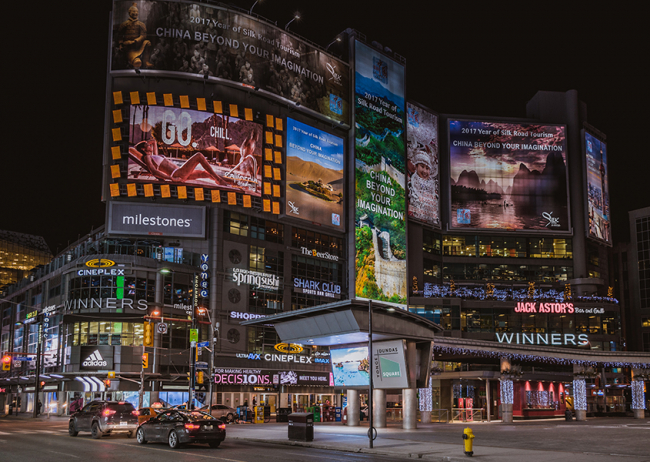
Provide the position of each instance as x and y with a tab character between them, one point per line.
371	429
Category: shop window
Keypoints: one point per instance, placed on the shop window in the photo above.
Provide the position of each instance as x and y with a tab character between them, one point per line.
317	241
256	258
431	269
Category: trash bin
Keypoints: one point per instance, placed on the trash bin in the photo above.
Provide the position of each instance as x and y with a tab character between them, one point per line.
568	415
282	414
301	426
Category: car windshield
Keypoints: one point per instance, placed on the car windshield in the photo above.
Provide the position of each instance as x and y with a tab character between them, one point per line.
120	407
196	415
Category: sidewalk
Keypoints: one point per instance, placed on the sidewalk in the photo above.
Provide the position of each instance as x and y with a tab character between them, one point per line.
396	442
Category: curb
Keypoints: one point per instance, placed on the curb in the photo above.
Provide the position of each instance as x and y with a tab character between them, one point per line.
378	451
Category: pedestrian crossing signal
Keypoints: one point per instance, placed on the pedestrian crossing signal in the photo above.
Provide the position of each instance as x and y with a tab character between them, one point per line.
145	360
6	363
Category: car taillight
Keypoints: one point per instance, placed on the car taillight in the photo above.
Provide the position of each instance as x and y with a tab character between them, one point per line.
109	412
136	412
190	426
222	426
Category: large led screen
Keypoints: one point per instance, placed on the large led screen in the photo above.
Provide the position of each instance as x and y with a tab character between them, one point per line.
597	189
350	367
508	176
314	186
380	176
422	166
185	147
215	43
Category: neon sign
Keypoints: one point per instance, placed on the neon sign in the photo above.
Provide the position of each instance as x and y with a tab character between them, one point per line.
540	307
544	339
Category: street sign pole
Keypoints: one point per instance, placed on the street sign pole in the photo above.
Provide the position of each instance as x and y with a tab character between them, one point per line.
38	368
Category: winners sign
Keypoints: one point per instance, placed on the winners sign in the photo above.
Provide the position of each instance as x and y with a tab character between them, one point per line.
380	172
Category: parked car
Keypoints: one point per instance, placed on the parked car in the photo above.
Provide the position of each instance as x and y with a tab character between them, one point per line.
221	411
104	418
146	413
177	426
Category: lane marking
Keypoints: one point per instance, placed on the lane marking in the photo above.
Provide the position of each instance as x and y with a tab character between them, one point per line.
64	453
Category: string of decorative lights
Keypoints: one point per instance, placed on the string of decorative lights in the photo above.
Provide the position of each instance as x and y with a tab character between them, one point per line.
579	395
507	391
533	358
426	398
638	396
506	294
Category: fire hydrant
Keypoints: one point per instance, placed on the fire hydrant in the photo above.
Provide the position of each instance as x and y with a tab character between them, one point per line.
468	436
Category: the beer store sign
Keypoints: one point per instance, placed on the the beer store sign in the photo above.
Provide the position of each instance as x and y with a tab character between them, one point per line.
317	254
544	339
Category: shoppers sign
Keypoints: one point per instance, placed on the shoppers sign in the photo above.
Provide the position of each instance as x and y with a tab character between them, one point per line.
155	220
245	316
96	358
544	339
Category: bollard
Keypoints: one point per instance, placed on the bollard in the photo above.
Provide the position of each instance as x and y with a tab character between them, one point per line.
468	436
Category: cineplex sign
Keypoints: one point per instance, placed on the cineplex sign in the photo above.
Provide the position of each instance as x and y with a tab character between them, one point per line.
227	376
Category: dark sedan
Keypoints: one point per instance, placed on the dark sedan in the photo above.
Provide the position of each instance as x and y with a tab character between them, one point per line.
177	426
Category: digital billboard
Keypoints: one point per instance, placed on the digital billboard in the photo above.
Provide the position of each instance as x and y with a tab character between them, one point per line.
314	184
508	176
422	165
215	43
184	147
597	189
350	367
380	176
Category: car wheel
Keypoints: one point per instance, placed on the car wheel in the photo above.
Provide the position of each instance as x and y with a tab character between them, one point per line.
173	440
95	431
214	444
72	431
139	436
230	417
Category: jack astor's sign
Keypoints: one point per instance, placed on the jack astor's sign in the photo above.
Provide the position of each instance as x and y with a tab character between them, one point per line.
535	307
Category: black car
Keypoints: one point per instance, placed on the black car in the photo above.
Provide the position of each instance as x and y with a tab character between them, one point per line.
104	418
178	426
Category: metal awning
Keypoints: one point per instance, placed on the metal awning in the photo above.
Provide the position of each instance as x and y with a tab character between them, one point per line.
346	322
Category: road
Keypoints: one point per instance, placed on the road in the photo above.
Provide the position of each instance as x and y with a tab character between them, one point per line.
43	440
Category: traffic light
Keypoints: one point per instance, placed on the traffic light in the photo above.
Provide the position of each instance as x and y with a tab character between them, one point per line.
199	377
107	383
148	333
145	360
6	363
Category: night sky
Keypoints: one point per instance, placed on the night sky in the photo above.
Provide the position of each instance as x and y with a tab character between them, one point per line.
473	58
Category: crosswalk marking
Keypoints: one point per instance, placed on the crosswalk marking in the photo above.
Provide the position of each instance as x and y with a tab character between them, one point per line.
5	433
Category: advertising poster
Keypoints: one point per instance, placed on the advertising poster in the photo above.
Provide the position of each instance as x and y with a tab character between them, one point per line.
597	189
508	176
380	177
194	148
350	367
314	186
205	40
422	165
389	365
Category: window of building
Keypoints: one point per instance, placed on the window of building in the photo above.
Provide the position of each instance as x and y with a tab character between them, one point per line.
431	242
107	333
461	246
317	241
236	223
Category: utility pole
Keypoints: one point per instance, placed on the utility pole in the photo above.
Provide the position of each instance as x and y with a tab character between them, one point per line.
37	383
371	370
195	297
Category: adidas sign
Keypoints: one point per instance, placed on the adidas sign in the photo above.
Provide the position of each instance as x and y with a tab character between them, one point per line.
95	360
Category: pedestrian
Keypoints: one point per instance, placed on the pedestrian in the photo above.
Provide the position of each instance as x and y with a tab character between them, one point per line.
39	406
18	405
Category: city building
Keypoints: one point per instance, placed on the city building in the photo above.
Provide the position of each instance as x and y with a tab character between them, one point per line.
19	254
242	183
638	272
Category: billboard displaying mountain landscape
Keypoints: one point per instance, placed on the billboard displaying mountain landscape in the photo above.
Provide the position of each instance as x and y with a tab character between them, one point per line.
380	176
314	186
508	176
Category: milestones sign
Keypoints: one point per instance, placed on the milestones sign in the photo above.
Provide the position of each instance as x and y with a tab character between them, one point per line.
155	220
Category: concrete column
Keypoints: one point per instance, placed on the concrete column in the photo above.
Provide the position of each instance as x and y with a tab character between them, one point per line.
379	408
506	400
580	399
425	416
410	408
60	398
638	399
488	404
353	408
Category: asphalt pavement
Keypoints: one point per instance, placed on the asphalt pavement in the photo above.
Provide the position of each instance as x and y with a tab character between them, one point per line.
598	439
